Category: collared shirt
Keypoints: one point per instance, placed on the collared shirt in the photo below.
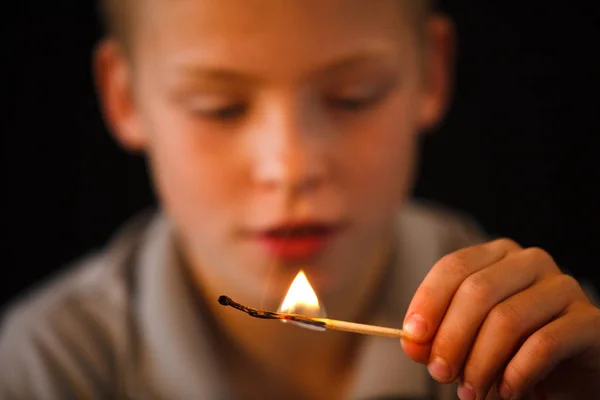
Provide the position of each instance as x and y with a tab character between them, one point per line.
124	323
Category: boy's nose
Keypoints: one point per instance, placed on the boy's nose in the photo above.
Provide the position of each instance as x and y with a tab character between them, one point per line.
290	155
293	170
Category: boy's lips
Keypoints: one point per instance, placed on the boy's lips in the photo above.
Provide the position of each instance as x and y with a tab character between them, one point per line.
296	240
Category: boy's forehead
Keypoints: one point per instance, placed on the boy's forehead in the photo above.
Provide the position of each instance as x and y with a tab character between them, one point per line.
271	8
252	16
292	30
197	69
123	18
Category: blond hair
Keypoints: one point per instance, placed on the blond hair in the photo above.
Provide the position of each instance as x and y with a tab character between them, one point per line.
117	16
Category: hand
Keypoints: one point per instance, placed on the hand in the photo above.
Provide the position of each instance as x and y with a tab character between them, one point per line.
500	317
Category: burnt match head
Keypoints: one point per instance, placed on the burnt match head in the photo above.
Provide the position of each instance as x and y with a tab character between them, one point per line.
224	301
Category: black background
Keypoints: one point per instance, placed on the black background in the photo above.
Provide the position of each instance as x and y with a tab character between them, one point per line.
517	150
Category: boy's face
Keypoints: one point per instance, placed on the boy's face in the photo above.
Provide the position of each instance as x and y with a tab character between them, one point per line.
259	113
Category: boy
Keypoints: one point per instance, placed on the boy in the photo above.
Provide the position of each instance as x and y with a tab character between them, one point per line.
281	137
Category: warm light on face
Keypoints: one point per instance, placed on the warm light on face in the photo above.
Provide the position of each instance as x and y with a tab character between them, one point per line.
302	299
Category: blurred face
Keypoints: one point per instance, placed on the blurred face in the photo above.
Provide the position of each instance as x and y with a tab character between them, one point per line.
281	134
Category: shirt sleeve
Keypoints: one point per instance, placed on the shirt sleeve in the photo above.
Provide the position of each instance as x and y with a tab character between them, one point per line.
53	354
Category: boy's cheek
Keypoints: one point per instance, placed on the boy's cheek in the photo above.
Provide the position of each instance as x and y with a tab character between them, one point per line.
190	192
380	192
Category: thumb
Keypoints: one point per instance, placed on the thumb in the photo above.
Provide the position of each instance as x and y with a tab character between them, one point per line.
419	352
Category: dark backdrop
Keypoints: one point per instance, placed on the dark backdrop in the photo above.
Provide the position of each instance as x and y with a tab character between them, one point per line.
517	150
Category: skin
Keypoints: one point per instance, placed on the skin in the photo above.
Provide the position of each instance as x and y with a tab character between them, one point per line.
252	112
498	316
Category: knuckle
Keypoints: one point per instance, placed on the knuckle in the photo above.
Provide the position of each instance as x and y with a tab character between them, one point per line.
428	291
541	353
456	263
596	320
592	314
476	287
567	284
444	345
596	316
476	372
544	347
515	377
537	255
505	317
506	243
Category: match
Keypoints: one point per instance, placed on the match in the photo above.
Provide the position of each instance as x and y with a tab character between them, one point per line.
325	323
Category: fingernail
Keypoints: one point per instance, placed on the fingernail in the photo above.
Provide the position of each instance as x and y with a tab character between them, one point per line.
439	369
415	326
505	391
466	392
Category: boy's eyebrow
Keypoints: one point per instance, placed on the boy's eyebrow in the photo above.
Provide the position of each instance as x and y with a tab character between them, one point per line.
225	74
215	74
353	60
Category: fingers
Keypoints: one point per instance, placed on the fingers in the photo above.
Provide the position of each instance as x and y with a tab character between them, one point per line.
560	340
475	297
420	352
508	324
430	302
500	313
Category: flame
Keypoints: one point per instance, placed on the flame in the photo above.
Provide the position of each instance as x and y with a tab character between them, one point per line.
302	299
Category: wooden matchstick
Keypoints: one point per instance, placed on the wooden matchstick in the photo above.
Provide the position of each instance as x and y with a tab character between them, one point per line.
361	328
315	322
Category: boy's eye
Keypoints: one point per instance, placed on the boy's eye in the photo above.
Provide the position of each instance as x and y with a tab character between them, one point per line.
216	108
351	103
223	113
358	100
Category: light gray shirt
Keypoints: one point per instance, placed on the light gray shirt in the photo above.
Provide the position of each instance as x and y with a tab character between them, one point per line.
124	323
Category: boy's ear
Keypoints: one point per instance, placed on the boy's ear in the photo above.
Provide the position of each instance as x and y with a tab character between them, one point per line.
439	60
116	92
